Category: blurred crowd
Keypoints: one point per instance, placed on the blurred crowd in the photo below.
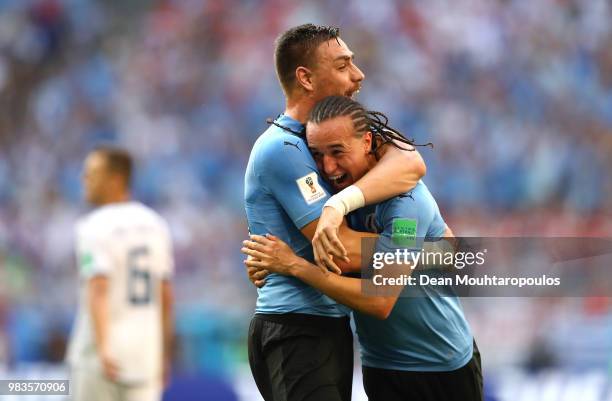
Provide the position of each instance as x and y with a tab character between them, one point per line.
516	97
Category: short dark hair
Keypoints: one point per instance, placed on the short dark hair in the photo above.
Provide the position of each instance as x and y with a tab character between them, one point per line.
118	161
295	48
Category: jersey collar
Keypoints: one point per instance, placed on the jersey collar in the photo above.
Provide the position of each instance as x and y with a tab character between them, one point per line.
290	125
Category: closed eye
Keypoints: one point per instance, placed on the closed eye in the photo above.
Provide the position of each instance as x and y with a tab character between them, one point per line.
315	154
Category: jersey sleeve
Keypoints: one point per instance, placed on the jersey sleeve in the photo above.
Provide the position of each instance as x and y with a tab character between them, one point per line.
403	227
437	227
94	256
290	174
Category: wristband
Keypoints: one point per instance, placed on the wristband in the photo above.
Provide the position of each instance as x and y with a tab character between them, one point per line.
347	200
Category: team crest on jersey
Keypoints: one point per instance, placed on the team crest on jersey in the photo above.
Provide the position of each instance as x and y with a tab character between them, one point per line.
310	188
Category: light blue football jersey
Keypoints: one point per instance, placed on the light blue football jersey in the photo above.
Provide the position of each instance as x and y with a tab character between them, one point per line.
428	332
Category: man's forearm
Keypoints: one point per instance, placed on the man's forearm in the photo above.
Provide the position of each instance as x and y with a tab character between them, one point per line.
344	290
352	241
396	172
167	320
98	307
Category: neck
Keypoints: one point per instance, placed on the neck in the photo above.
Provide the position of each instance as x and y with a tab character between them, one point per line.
371	161
119	197
298	107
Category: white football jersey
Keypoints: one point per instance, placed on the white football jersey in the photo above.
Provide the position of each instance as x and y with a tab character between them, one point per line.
130	244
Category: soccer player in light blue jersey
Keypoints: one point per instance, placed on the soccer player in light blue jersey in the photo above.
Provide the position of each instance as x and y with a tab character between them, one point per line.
300	342
413	348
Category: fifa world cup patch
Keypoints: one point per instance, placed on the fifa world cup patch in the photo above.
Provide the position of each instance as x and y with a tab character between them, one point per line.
404	232
310	188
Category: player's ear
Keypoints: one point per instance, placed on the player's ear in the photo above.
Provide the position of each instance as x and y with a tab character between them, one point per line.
303	77
367	142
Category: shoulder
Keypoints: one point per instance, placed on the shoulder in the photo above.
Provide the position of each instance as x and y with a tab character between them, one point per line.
107	219
139	214
416	203
275	143
156	219
397	204
95	225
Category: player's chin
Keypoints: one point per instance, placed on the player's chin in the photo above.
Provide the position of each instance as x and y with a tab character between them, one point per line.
340	186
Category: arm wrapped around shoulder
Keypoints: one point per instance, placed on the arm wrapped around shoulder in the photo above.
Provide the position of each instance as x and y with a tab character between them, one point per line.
347	200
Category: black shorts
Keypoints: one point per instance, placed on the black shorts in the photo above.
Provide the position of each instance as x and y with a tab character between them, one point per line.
298	357
463	384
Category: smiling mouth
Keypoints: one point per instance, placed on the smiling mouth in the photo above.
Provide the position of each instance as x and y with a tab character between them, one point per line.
337	179
353	93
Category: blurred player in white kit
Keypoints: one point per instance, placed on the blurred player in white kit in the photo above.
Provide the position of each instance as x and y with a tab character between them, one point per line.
121	341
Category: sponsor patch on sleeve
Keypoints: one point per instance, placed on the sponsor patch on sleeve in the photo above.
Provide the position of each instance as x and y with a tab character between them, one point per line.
310	188
404	232
86	262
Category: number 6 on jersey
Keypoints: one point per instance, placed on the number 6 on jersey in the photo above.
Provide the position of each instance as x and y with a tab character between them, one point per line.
139	277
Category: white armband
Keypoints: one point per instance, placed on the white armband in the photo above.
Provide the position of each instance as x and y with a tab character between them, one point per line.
347	200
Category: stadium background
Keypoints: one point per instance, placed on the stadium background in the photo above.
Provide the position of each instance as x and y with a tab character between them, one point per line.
515	95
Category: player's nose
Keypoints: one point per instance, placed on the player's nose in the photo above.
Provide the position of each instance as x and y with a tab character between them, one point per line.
357	75
329	165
